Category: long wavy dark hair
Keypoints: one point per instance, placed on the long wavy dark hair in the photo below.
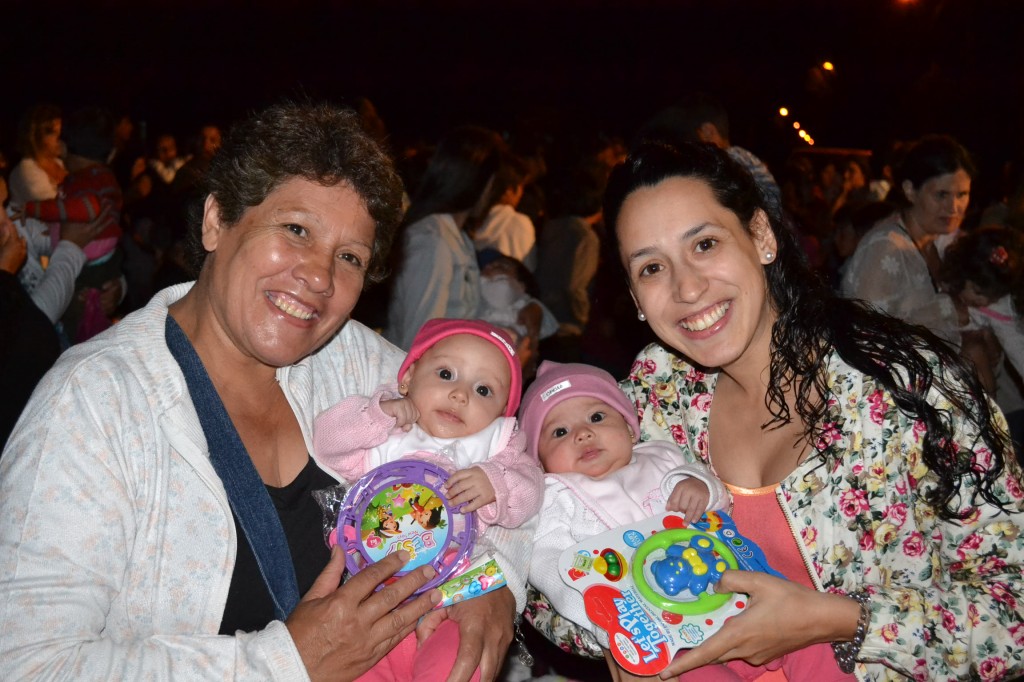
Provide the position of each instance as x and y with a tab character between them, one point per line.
812	322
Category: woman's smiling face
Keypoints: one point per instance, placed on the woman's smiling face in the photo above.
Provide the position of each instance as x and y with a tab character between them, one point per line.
286	277
698	274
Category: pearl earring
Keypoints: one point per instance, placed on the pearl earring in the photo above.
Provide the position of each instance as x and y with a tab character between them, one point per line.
769	255
640	316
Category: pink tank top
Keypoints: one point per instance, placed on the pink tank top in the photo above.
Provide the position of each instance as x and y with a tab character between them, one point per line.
759	517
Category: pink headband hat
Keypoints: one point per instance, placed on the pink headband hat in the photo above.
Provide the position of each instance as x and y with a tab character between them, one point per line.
556	383
433	331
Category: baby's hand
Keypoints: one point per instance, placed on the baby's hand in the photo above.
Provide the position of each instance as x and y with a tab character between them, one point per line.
404	412
691	497
470	486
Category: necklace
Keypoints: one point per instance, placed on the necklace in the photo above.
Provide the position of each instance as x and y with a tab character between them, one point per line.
928	253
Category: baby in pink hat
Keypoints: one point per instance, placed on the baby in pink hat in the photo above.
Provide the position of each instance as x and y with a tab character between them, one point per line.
584	432
454	406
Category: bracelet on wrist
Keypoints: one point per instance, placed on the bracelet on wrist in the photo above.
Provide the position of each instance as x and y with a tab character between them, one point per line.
846	652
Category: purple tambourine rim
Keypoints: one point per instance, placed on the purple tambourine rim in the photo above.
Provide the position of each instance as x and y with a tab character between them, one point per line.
431	476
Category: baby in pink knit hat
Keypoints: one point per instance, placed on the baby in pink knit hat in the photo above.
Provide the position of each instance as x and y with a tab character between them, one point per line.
584	431
454	406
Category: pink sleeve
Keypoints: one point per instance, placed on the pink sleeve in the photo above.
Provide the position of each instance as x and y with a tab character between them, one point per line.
344	434
518	485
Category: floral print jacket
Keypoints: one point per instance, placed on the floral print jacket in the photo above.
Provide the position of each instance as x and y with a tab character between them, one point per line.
947	597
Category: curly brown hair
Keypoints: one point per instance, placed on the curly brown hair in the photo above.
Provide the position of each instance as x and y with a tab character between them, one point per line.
322	143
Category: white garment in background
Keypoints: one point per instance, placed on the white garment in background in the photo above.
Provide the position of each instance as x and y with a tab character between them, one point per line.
888	271
29	182
438	277
510	232
52	286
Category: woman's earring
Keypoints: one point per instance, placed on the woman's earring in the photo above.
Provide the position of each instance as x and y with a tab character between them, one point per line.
640	316
768	256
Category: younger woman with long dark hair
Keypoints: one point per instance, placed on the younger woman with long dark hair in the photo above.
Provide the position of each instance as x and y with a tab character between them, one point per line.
861	452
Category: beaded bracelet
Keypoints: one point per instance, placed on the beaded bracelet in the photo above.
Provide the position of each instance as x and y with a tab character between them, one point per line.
846	652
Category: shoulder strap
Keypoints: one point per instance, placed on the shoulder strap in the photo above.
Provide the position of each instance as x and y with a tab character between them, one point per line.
247	494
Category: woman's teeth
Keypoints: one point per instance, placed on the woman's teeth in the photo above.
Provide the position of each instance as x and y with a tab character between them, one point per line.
699	323
291	309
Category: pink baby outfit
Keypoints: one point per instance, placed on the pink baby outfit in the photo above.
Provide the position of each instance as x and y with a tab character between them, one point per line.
414	663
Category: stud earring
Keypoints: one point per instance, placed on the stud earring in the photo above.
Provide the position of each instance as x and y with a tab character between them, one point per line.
640	316
403	389
769	255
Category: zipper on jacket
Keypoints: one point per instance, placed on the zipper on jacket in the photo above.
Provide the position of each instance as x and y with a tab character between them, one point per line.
808	565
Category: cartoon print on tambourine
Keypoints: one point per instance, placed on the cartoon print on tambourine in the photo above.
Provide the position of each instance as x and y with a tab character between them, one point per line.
408	516
401	506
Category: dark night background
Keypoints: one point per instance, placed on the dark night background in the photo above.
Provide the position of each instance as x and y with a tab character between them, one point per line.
529	67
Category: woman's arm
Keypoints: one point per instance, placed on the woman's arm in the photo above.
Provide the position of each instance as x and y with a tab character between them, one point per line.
53	292
87	537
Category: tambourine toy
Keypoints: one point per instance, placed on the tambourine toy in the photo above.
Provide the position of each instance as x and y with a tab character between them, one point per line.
400	505
651	585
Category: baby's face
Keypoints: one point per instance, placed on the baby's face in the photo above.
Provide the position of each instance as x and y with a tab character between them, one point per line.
499	267
973	297
586	436
459	386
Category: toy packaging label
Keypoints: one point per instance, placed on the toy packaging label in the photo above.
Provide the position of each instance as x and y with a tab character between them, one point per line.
650	585
410	517
483	575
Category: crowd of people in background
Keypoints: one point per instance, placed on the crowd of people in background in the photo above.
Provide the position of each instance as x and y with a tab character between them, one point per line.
99	218
104	212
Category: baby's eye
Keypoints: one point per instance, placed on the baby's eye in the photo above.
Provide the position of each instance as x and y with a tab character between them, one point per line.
597	417
445	374
560	432
706	244
484	391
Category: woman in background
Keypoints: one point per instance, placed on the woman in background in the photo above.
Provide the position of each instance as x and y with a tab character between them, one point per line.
437	273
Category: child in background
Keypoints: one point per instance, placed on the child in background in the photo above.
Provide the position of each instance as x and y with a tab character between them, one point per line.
90	192
454	406
985	269
508	300
584	432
